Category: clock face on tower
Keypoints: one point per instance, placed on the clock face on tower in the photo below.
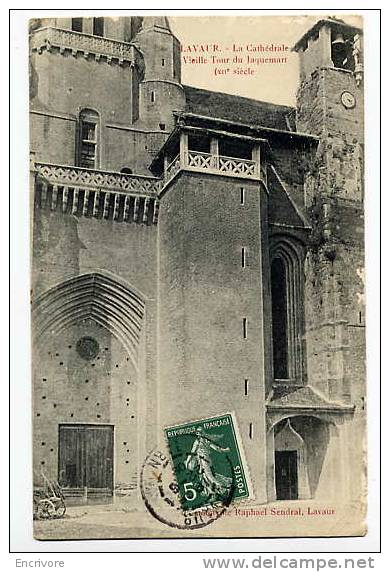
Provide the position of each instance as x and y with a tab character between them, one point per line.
348	99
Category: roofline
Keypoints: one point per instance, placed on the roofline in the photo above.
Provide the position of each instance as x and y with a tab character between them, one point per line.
306	224
259	101
314	138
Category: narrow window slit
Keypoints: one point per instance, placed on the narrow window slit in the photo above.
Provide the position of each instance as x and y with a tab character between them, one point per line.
242	195
243	257
246	386
245	328
250	430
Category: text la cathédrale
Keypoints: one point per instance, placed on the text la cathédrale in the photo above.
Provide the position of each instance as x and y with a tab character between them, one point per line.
215	48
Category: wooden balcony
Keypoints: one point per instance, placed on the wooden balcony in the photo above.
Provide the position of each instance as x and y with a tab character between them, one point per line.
214	163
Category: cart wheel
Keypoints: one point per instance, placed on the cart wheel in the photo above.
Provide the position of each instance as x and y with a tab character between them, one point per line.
35	509
61	509
46	509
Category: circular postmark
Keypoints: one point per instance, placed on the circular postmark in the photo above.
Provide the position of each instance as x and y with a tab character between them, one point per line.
162	493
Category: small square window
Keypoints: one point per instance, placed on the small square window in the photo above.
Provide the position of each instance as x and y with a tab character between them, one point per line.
77	24
98	26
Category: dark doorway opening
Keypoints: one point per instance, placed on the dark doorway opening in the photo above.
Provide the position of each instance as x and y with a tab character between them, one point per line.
279	318
85	459
286	475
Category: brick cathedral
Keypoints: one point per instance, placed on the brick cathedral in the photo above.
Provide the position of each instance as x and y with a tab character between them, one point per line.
195	253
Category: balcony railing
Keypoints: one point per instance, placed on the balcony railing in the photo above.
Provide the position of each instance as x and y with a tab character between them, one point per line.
49	38
217	164
93	192
201	161
237	167
172	169
96	178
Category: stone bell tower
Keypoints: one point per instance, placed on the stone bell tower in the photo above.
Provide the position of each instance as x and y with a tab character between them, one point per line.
330	106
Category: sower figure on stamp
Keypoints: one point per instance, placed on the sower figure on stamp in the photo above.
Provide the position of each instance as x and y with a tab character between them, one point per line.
199	461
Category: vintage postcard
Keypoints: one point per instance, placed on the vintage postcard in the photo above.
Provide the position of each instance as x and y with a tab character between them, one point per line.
198	322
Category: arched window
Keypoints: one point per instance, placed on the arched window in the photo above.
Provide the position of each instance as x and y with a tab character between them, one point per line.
126	171
88	148
287	311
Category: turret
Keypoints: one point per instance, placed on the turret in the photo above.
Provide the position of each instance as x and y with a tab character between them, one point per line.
161	92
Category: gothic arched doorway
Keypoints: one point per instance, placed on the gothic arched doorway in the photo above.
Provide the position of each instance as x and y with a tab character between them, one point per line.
87	357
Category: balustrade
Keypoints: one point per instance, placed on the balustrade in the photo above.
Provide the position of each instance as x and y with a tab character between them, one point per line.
78	42
217	164
97	193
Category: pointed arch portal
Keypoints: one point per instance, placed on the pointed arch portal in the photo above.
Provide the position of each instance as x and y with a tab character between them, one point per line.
89	361
109	301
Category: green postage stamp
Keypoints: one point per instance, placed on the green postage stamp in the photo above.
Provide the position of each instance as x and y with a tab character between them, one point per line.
208	462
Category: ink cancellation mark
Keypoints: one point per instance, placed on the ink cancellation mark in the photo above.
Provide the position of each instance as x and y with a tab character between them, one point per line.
161	494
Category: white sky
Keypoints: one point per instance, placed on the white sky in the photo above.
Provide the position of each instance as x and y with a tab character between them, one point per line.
275	83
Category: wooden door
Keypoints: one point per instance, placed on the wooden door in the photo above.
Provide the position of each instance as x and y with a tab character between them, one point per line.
85	458
286	475
99	457
71	457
